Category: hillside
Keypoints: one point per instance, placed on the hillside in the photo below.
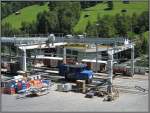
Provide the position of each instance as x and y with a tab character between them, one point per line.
27	14
99	9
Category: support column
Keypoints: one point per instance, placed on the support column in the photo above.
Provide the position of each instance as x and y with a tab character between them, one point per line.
64	55
24	63
10	53
132	60
110	72
58	52
96	58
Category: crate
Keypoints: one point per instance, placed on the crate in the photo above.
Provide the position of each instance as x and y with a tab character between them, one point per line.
81	86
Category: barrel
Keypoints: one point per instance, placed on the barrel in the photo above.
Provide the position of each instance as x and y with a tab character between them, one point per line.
27	85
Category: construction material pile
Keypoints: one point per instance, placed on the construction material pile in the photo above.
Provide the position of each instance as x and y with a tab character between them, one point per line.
102	92
21	83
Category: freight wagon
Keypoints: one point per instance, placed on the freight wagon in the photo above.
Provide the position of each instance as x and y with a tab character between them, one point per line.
125	70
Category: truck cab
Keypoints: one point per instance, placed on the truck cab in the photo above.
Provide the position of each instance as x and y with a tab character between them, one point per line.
76	72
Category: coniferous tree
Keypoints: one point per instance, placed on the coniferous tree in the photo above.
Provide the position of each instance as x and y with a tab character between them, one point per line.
110	4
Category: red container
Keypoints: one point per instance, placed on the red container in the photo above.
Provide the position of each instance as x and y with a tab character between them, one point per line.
28	85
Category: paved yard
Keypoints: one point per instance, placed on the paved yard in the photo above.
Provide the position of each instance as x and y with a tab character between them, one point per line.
130	99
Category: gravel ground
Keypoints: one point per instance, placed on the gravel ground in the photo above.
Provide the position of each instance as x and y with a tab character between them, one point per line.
129	99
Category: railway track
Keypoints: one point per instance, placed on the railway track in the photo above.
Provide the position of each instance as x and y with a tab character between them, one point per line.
133	89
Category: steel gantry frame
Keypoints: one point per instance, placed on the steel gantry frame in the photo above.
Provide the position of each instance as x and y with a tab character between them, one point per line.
22	42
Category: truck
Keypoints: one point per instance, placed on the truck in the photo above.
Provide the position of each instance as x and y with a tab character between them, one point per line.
73	72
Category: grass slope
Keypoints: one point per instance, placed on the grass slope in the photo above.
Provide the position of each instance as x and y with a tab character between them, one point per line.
99	9
27	14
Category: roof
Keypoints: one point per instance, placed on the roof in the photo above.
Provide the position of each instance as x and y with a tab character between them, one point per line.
92	61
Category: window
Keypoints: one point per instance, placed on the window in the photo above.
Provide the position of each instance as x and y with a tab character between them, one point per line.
68	51
75	52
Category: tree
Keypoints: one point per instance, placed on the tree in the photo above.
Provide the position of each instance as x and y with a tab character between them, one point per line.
87	4
106	28
53	23
90	29
68	15
28	28
42	22
7	30
47	22
134	26
25	27
110	5
143	22
52	5
122	24
145	45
